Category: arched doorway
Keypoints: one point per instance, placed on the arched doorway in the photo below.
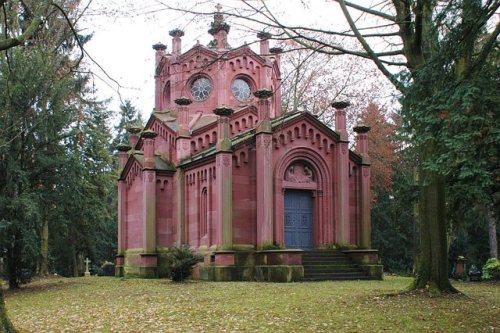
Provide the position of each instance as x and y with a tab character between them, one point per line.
298	219
302	178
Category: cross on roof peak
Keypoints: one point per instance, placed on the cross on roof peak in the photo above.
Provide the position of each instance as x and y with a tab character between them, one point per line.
218	7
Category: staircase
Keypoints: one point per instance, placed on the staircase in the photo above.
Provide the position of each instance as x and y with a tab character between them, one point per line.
330	265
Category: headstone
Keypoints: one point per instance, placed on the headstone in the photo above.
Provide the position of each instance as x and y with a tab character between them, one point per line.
87	262
474	274
107	269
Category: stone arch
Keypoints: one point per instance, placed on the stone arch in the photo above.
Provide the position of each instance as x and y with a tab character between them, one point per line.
321	187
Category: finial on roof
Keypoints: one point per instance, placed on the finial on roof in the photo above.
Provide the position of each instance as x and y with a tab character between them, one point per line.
218	24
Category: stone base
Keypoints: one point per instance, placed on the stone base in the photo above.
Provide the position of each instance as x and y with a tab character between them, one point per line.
119	266
148	272
369	262
270	266
224	273
138	264
374	271
119	271
279	273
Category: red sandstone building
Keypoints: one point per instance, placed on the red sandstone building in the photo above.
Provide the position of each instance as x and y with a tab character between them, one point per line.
220	167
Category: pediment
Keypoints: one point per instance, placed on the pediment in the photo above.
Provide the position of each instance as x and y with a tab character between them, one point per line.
245	51
196	51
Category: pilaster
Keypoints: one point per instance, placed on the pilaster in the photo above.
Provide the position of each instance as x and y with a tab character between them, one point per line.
180	208
183	140
224	198
365	190
159	53
149	194
224	180
342	184
122	209
264	172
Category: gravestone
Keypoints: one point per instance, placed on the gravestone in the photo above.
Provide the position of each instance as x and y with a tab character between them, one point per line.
87	262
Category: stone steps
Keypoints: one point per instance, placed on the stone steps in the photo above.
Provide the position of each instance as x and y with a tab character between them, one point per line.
330	265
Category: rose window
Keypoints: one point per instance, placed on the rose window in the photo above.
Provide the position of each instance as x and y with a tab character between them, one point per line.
241	89
201	88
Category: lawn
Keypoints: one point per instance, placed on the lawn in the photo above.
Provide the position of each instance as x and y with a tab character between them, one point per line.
116	305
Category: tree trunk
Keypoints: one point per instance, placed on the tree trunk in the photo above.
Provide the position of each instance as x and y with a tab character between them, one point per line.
75	262
432	263
43	265
492	233
5	324
13	256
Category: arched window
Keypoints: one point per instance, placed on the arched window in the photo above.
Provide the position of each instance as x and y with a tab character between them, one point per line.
203	212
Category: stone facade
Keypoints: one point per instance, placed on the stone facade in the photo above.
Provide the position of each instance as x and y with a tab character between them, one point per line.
218	166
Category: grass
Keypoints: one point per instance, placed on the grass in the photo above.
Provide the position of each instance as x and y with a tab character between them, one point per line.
133	305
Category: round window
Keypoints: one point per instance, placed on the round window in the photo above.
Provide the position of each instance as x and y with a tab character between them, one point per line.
241	89
201	88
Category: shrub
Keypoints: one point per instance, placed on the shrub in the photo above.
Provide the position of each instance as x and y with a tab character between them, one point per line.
180	262
491	270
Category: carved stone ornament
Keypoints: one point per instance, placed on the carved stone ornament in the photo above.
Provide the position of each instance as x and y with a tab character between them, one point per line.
226	160
264	141
366	172
299	173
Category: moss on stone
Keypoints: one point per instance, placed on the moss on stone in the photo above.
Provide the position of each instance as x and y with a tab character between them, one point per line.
374	271
279	273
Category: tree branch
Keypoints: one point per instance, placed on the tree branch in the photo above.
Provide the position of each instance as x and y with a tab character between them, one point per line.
485	51
30	31
369	10
373	56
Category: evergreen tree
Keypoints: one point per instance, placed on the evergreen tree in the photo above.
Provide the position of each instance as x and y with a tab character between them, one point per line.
129	116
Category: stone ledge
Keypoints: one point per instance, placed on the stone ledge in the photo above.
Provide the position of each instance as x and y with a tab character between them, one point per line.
279	257
368	256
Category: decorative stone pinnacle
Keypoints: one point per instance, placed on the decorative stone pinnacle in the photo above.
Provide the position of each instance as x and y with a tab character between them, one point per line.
263	93
263	35
276	50
123	147
340	105
183	101
159	47
223	111
134	129
218	24
176	33
148	134
360	129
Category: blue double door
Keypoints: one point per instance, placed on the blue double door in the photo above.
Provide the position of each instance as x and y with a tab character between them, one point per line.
298	219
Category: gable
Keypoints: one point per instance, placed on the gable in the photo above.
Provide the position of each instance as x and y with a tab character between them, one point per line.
245	51
198	51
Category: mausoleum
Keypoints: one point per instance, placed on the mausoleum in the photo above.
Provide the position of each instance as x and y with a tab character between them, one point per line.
221	168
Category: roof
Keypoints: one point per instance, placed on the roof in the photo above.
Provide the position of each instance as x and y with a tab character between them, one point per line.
160	163
240	138
169	118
